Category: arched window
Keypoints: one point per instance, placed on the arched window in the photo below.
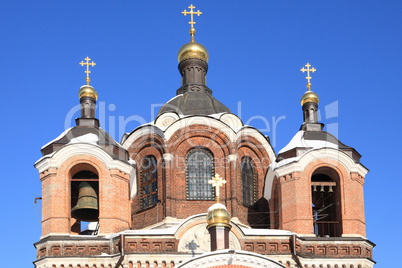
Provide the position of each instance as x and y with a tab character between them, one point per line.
149	182
248	181
326	203
199	170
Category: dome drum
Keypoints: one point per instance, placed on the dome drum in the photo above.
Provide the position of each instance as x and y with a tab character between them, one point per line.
193	71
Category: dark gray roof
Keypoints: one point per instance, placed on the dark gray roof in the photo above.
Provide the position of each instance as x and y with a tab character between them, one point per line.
197	102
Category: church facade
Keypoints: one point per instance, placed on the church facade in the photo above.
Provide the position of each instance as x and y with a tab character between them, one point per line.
148	198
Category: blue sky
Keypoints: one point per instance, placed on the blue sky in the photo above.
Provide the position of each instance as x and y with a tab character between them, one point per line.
256	47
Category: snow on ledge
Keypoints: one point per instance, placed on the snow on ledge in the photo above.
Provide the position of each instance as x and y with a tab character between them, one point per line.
86	138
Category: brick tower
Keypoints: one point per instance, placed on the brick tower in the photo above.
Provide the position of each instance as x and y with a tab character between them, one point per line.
316	184
146	198
83	158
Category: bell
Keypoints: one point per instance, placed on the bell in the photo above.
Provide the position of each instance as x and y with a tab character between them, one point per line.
330	189
87	204
315	187
322	188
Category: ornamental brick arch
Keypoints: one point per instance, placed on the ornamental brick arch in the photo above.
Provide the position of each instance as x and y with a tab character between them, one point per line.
178	146
214	138
252	144
150	139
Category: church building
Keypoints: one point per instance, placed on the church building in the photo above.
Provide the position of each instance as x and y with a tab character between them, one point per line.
198	188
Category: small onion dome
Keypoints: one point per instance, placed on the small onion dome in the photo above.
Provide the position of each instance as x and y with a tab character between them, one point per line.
218	215
193	50
88	91
309	96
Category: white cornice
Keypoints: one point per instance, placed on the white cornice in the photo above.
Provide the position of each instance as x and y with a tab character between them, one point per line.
141	131
56	159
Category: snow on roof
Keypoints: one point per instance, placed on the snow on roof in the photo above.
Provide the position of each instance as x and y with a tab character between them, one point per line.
58	138
275	165
299	142
87	138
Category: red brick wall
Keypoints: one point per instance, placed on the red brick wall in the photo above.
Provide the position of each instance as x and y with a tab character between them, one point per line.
172	174
56	191
296	206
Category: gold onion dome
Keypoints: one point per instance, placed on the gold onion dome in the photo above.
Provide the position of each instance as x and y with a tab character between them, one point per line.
309	96
88	91
218	215
193	50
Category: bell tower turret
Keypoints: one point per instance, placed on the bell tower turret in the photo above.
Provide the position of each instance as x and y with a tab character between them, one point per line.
84	173
319	176
309	102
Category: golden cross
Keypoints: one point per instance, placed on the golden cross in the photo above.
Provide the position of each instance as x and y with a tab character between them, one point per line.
192	13
87	71
308	77
192	22
217	181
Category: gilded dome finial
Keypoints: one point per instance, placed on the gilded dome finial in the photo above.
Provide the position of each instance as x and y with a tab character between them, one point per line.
192	50
309	95
192	22
87	71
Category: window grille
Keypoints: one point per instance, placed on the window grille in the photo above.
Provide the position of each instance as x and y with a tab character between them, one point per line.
248	181
199	170
149	182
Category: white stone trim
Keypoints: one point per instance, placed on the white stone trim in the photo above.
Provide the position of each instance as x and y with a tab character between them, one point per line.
141	131
57	159
167	157
232	157
232	120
